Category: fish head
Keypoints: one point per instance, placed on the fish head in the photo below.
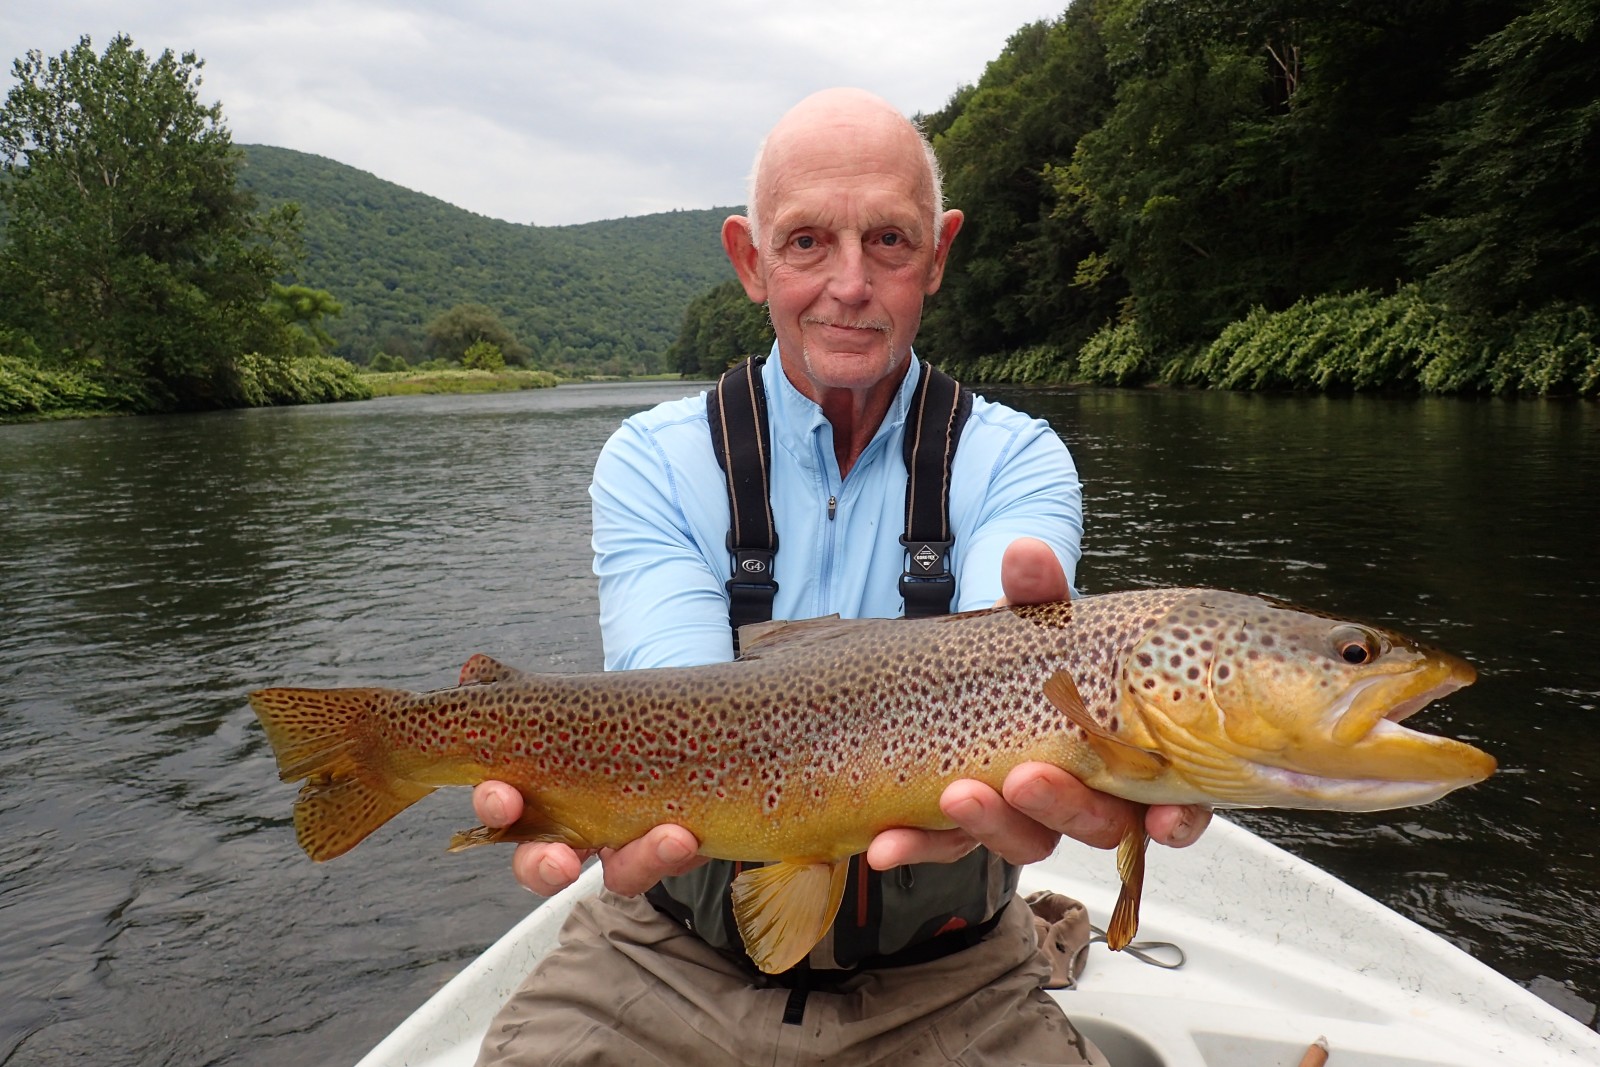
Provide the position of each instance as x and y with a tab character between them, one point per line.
1260	703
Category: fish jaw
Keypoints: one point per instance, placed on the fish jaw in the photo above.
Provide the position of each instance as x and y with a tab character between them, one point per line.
1259	704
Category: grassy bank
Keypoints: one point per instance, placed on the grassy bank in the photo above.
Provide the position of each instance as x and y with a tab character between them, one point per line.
417	382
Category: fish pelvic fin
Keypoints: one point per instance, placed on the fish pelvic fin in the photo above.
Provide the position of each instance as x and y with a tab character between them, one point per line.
320	736
1122	760
1124	922
783	909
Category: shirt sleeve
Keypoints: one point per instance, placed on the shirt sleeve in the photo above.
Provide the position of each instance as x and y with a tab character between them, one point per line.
1020	483
661	602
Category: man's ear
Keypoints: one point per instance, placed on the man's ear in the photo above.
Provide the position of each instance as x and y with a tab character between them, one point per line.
949	226
745	257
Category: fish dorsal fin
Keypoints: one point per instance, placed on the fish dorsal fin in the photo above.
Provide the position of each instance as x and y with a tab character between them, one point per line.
764	638
481	670
1130	868
784	909
1119	756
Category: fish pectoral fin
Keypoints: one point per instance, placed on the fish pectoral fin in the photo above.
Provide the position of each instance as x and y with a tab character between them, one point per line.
482	670
535	825
1120	758
783	909
1130	868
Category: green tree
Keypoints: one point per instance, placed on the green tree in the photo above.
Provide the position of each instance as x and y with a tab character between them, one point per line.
305	308
1514	221
455	331
1010	280
130	251
720	327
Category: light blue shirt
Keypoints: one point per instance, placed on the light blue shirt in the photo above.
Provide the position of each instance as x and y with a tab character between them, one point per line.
661	519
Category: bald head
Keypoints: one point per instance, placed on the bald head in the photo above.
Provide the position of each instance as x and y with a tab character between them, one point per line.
844	122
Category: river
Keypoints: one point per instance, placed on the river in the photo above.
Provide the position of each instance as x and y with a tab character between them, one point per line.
154	908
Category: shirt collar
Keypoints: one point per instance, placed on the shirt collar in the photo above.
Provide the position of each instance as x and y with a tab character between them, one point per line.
797	420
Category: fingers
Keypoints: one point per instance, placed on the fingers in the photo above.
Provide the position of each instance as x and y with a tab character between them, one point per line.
1010	833
546	868
496	804
1050	796
1177	825
663	850
1030	573
894	848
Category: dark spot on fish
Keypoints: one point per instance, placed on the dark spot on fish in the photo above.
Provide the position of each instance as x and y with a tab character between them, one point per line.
1194	672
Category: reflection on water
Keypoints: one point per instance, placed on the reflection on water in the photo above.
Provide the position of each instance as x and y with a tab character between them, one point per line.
154	907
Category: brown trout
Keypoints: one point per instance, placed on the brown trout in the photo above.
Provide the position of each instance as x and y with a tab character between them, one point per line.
827	731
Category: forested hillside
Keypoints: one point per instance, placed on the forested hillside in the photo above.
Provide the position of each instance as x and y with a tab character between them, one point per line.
1322	194
1245	193
602	296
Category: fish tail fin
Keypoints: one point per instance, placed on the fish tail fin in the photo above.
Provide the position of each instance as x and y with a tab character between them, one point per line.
1130	867
322	736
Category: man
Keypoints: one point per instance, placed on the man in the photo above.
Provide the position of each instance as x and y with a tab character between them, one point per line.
845	239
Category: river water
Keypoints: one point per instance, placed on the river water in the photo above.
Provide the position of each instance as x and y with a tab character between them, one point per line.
154	908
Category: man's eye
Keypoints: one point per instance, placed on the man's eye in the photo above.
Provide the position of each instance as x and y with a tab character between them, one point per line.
805	242
891	239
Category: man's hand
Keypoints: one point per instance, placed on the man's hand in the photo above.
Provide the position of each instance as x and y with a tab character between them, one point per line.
1037	802
546	869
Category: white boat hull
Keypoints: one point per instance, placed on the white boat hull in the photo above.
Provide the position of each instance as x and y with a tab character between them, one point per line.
1278	953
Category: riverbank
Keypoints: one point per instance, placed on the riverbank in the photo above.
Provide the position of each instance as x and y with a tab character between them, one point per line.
438	382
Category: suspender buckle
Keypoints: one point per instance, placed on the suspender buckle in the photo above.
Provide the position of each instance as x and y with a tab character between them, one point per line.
752	588
927	583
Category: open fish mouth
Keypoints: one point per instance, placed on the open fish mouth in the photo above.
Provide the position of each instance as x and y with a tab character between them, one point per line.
1460	674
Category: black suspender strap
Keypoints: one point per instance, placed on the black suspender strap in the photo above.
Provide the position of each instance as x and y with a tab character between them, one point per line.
736	406
939	409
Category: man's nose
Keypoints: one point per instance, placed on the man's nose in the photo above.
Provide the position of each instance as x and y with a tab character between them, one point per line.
851	279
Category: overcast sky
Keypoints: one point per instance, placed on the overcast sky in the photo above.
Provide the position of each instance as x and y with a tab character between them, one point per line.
534	111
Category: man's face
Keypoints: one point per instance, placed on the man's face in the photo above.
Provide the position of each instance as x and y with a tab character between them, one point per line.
847	251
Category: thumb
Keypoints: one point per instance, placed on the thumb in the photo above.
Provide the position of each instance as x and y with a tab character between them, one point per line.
1030	573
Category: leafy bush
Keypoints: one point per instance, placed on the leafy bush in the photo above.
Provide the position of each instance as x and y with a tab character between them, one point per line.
383	361
483	355
1115	355
28	389
264	380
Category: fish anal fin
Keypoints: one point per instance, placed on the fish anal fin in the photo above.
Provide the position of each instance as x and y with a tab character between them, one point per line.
1121	758
535	825
1124	922
784	908
484	670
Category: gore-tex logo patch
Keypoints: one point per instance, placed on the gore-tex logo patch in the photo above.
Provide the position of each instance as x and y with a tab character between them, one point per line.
925	557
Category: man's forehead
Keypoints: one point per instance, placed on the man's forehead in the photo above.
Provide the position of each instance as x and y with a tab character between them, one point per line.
843	204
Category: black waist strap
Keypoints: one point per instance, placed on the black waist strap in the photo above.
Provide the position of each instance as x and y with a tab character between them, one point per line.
802	975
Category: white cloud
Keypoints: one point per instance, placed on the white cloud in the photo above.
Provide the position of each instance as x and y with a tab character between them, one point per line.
541	111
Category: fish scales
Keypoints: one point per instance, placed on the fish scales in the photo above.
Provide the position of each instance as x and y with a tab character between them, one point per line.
828	731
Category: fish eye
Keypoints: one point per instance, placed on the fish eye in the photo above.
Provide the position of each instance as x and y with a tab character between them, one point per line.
1355	646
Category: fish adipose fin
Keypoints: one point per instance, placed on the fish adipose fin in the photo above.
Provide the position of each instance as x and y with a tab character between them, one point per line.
1120	758
784	909
1130	866
317	735
482	670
